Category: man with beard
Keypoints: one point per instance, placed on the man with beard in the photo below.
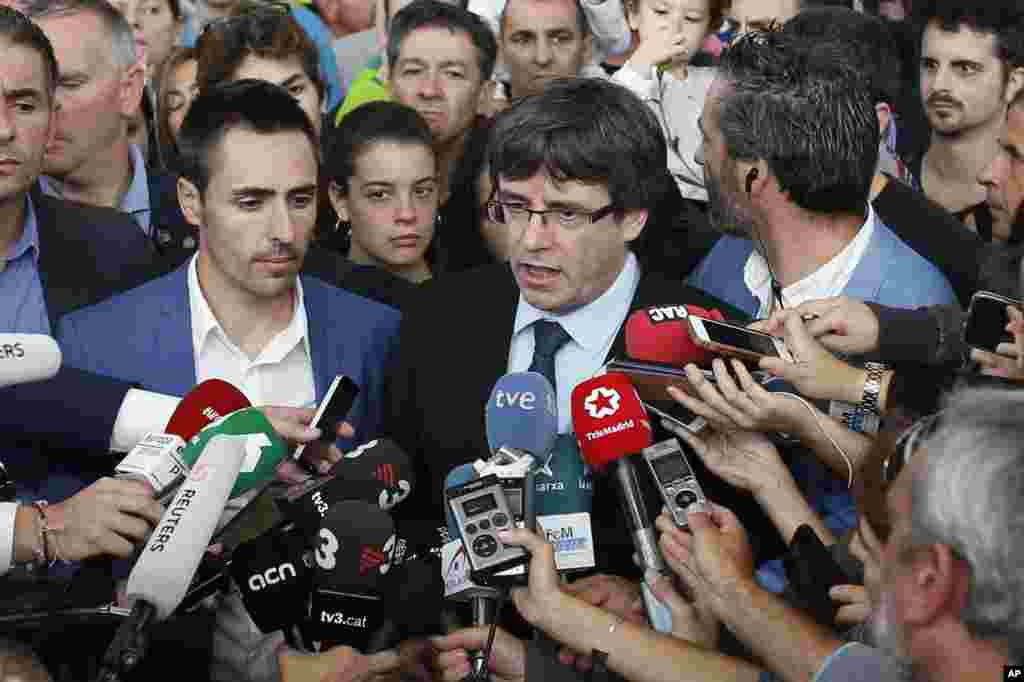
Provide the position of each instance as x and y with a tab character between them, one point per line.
949	594
972	65
790	144
1003	178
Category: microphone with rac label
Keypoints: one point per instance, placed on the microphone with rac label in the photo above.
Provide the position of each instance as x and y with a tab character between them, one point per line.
25	358
611	426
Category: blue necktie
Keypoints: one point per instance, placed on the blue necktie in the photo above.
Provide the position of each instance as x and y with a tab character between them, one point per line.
548	338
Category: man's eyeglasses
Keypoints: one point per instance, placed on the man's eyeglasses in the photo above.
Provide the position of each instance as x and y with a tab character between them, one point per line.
519	216
907	444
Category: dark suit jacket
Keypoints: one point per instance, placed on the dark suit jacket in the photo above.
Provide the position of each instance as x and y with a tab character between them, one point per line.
453	347
87	254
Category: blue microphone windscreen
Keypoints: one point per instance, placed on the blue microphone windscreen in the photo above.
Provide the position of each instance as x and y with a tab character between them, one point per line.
522	413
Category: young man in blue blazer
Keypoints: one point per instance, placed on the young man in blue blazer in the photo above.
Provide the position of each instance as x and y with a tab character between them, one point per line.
239	310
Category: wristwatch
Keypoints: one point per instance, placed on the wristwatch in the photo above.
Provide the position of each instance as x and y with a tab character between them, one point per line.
872	388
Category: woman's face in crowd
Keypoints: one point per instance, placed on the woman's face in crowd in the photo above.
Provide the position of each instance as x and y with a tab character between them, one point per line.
391	204
156	30
181	90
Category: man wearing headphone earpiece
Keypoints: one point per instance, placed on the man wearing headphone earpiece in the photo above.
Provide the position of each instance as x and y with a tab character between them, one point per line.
790	145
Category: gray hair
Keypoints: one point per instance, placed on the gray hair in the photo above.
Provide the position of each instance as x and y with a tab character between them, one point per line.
971	497
122	39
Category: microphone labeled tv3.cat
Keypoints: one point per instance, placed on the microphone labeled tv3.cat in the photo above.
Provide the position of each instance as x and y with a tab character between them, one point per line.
25	358
611	426
352	559
332	410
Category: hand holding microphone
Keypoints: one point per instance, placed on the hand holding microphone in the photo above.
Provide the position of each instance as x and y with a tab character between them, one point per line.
105	519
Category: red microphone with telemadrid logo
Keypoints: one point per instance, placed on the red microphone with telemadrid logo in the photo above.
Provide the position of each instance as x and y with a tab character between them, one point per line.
611	426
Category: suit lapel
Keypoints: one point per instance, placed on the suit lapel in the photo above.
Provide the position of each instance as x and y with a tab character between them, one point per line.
172	337
319	345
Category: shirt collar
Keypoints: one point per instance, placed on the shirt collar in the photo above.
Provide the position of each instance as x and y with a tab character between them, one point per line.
135	201
205	323
588	326
29	235
818	284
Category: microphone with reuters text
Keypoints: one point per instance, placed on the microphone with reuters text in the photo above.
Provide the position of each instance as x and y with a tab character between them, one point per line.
161	576
611	425
25	358
351	559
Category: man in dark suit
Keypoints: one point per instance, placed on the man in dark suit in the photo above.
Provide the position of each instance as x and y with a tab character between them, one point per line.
577	170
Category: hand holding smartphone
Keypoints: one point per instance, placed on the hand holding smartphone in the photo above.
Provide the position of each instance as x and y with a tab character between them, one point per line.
733	340
332	410
987	318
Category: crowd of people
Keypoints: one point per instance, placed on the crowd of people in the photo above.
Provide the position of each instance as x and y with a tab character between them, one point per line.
424	196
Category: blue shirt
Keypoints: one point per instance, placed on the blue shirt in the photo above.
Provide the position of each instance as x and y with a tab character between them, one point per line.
592	327
22	304
135	201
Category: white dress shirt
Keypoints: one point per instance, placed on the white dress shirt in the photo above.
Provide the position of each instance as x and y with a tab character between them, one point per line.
593	329
827	281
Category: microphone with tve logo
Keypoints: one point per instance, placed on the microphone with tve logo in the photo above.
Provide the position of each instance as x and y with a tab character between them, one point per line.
25	358
352	556
161	576
611	425
156	460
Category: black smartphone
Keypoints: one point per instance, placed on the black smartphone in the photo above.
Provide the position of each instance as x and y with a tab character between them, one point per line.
813	571
987	319
332	410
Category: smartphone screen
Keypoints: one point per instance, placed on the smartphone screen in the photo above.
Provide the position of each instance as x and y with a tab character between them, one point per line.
728	335
986	324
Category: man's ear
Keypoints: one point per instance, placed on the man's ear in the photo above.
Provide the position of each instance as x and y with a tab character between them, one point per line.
633	223
751	177
338	200
1014	84
884	112
938	582
133	84
190	201
588	49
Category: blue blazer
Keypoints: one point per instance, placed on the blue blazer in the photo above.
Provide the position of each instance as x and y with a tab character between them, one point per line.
145	336
890	273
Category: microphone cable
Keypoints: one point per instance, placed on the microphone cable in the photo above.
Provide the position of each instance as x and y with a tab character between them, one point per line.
480	674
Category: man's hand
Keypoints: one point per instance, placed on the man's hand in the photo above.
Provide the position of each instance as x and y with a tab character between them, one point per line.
340	664
843	325
745	459
815	371
106	518
714	555
693	620
507	662
729	405
855	604
293	424
544	590
612	593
